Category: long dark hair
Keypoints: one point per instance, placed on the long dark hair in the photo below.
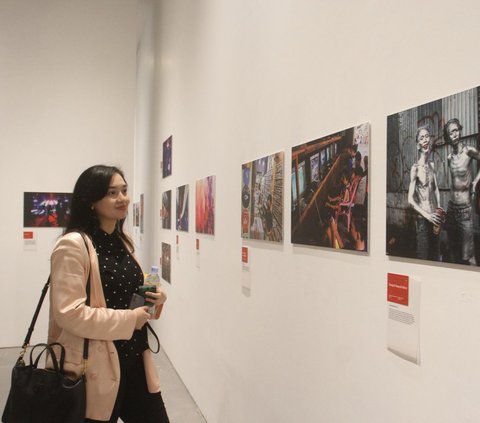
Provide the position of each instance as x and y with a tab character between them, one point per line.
91	186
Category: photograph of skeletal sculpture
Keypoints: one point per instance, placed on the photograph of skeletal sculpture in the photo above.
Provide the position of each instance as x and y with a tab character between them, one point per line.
262	198
330	190
205	206
432	175
182	208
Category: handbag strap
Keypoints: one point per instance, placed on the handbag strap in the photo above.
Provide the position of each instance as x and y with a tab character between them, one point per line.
26	341
87	302
57	364
149	328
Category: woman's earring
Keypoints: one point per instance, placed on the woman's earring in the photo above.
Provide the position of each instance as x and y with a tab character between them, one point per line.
92	208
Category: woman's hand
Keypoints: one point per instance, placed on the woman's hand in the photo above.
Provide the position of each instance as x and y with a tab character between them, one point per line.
156	298
142	315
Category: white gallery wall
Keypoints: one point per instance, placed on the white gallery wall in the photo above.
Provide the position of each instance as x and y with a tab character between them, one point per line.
67	101
237	80
144	182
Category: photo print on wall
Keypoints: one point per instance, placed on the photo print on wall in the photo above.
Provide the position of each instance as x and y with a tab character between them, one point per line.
182	208
46	209
141	208
330	190
136	219
262	198
167	157
166	211
432	175
205	205
166	262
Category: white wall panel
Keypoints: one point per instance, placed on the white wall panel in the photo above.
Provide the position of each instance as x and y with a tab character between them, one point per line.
67	84
237	80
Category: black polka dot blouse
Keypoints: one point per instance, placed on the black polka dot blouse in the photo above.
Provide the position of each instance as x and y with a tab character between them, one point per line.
121	276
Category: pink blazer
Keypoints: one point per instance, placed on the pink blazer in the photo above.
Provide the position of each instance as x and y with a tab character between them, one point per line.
71	321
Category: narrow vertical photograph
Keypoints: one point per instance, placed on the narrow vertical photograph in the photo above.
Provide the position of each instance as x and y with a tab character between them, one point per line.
166	210
166	262
433	155
262	198
181	215
141	217
330	190
136	215
205	205
167	157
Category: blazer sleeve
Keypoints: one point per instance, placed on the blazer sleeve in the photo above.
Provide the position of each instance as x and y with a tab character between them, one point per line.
70	265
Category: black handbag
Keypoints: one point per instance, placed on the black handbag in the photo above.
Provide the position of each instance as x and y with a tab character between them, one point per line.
45	395
40	395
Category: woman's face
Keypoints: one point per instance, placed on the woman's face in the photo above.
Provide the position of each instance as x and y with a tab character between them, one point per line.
423	140
114	206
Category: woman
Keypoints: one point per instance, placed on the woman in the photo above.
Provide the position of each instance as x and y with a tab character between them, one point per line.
424	197
121	380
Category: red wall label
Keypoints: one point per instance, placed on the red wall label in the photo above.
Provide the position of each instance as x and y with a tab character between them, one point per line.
397	290
27	234
245	255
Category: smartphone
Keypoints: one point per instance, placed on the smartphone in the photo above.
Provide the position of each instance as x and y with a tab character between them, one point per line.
136	301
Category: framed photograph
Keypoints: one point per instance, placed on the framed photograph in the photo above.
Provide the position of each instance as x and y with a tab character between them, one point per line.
166	211
182	208
330	190
167	157
141	208
166	262
205	205
262	198
46	209
432	181
136	220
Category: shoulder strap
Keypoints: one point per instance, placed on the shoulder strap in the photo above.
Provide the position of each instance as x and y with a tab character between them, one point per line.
26	341
87	302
